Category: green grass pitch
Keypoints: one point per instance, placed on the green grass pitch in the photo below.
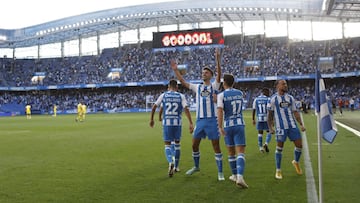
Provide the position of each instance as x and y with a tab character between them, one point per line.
119	158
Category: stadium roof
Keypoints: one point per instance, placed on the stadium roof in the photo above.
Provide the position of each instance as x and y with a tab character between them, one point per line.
179	12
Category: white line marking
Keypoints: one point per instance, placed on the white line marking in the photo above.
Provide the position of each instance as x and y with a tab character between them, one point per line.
312	195
10	132
348	128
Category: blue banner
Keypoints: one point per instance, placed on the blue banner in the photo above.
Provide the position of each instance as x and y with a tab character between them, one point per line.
252	63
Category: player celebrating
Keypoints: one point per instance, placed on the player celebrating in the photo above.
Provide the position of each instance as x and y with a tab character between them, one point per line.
260	109
172	145
172	103
232	127
282	108
206	119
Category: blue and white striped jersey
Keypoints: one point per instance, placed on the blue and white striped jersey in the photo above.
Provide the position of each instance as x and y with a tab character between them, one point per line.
260	105
173	104
283	107
231	101
205	106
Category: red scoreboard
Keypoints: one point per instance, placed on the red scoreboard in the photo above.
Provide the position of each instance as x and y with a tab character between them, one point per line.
188	39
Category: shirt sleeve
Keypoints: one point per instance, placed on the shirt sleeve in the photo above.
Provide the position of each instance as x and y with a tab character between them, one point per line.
193	87
220	100
215	85
293	104
159	100
271	104
184	103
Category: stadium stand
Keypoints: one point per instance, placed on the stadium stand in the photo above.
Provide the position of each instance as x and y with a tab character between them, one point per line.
118	79
277	56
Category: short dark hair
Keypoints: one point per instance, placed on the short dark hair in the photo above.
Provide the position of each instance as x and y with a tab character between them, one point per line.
173	83
265	91
207	68
229	79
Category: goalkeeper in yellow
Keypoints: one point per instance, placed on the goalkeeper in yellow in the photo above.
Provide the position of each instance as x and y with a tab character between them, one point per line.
28	111
54	110
83	113
79	112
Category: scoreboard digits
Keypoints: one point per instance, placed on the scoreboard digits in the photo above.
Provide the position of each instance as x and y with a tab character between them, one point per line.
188	39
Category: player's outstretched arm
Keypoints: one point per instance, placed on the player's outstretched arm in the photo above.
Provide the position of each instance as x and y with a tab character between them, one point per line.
218	66
178	74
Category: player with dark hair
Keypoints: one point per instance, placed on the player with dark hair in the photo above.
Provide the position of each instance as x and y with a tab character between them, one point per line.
206	119
232	127
282	111
260	110
173	103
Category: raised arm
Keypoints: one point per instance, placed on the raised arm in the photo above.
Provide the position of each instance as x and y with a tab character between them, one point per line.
178	74
218	67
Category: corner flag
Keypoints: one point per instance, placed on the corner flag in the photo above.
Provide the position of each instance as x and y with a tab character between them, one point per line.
327	123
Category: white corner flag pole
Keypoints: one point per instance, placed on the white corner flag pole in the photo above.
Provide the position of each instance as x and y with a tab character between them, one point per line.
319	159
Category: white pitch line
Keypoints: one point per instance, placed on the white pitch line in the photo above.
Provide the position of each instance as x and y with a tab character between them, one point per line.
312	195
348	128
10	132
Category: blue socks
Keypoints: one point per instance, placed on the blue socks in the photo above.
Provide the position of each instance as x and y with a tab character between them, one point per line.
297	154
240	164
196	157
278	156
219	162
168	154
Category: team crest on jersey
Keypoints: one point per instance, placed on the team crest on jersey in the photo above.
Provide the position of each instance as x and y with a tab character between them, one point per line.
284	104
205	93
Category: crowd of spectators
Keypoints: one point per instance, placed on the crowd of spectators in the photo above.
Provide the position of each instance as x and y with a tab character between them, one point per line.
277	57
108	99
119	99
